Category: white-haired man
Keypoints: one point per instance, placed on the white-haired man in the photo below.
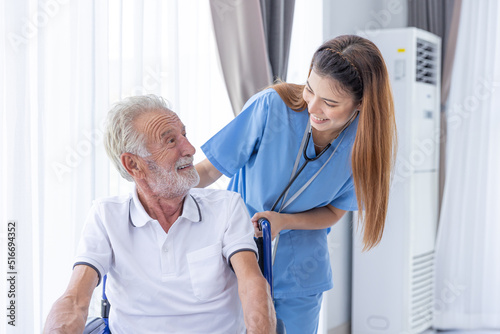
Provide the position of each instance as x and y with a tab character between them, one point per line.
177	258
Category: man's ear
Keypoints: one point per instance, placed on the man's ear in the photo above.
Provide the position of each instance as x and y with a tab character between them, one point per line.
132	165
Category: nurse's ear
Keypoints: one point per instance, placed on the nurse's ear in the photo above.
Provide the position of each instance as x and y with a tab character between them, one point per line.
359	106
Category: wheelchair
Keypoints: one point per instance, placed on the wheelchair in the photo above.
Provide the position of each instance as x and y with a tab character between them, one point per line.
96	325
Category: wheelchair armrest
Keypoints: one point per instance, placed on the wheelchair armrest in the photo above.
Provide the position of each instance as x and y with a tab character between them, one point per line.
280	327
95	325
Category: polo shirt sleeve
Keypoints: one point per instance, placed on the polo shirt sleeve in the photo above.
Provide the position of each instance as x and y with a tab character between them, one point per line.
346	198
239	233
94	249
231	148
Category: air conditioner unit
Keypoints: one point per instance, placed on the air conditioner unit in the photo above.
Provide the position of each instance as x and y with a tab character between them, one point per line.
393	284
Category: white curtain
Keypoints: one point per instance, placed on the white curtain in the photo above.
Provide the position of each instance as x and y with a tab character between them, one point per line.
62	63
468	250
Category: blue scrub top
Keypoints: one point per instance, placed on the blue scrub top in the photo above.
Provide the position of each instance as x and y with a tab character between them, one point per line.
257	150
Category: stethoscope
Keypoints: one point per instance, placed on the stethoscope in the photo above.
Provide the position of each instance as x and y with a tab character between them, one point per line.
296	170
296	174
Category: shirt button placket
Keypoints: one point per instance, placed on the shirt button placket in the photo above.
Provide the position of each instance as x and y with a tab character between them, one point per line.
167	258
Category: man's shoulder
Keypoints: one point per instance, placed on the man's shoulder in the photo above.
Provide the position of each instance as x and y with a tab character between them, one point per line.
113	201
214	195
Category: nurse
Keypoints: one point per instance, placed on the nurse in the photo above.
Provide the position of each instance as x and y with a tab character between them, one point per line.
341	122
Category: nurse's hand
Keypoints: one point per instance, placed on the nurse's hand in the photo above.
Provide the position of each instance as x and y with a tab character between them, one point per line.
277	221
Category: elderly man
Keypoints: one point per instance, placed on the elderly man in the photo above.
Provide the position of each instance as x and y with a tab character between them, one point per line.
177	258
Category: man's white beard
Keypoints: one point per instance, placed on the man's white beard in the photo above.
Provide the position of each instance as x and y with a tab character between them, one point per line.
169	183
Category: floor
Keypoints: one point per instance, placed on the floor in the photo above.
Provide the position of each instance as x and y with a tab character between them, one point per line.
465	332
474	332
346	329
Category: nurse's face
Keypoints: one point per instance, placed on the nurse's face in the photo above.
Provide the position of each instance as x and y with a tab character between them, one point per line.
330	107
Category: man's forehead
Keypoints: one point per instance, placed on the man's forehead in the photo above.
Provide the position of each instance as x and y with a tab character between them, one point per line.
159	119
163	114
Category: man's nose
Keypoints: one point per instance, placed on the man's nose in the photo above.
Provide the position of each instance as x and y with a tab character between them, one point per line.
187	148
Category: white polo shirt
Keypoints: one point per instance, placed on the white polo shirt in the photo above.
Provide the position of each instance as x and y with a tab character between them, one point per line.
180	282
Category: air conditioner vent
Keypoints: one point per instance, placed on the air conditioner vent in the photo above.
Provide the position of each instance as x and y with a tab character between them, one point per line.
422	290
427	62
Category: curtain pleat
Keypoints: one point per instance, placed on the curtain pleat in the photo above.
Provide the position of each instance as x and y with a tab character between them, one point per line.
253	38
18	195
62	64
467	274
242	49
277	19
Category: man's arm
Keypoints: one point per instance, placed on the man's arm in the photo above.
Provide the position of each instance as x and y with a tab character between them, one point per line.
69	313
258	308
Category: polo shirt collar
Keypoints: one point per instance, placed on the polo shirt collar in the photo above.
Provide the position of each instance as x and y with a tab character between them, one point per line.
139	217
191	209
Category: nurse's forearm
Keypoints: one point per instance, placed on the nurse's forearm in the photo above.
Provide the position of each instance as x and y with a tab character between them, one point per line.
315	219
208	173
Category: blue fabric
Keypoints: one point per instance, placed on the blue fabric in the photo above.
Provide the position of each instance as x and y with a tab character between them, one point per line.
301	314
257	150
302	264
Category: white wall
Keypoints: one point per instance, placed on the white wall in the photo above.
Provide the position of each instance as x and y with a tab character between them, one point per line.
338	300
347	17
339	18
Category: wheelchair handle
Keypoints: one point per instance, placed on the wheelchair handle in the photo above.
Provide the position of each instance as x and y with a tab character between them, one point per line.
105	306
265	227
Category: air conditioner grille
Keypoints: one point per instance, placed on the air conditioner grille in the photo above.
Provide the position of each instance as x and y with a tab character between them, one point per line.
422	290
427	62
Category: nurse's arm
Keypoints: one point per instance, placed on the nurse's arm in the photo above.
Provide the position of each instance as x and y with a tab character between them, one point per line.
208	173
314	219
253	289
69	313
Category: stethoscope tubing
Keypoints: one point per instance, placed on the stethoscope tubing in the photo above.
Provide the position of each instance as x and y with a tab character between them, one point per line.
307	160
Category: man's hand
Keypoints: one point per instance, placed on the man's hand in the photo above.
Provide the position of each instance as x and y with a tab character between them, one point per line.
69	313
258	307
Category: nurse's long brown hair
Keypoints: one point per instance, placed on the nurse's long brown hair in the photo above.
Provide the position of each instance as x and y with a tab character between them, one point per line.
356	63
